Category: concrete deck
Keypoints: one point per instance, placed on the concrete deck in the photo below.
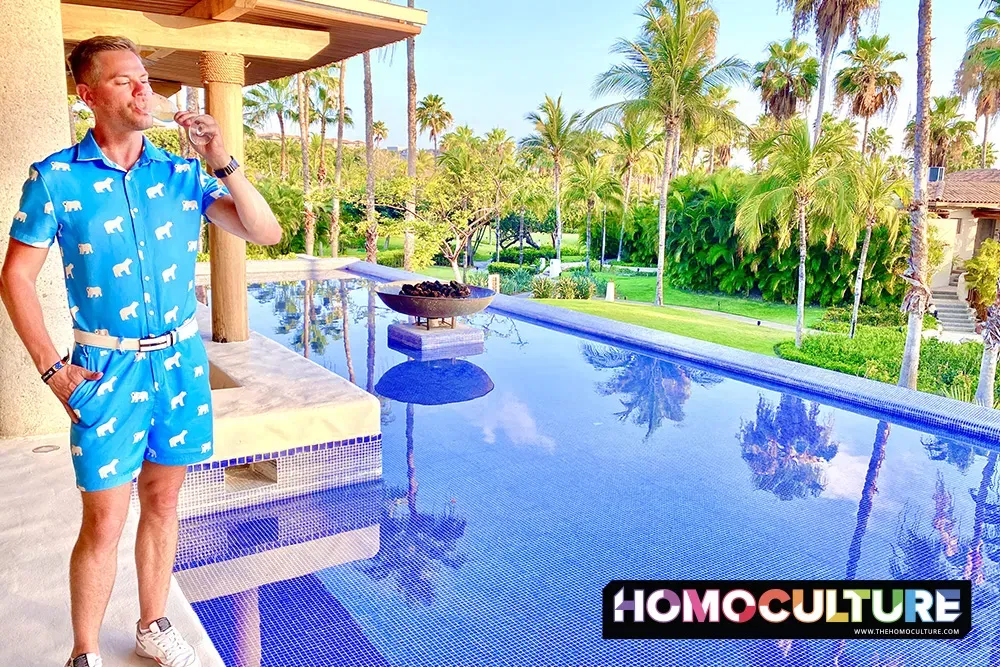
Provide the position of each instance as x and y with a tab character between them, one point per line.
38	527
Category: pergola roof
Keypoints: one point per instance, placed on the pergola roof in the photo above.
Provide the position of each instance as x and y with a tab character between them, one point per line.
278	37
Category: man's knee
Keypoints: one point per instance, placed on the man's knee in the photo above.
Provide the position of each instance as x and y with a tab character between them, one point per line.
158	498
101	528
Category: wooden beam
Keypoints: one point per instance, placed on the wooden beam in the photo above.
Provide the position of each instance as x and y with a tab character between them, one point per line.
358	12
182	33
165	88
155	54
220	10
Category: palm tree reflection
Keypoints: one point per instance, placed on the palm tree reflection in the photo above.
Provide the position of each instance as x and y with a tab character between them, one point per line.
652	390
787	447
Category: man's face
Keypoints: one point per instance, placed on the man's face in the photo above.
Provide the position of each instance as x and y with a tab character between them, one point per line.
120	85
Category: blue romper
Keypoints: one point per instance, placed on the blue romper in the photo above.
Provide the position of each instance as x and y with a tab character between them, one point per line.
128	241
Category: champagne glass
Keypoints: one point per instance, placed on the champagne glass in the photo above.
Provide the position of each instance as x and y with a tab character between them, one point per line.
163	110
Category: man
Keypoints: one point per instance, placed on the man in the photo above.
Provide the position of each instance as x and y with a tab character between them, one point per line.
126	216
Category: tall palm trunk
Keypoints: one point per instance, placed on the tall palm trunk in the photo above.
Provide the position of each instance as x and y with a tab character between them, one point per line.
628	190
604	234
284	148
520	237
868	492
986	133
371	222
974	559
307	308
72	127
711	159
676	164
864	137
824	78
321	169
915	301
345	326
668	157
991	347
370	357
409	240
590	210
800	213
310	217
338	166
859	281
557	172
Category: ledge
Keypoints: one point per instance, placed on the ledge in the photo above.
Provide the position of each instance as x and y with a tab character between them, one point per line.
270	398
907	407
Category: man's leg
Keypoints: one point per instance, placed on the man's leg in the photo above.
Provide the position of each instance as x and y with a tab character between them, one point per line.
94	562
156	540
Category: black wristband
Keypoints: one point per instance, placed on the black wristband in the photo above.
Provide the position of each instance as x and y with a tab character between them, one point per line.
228	169
55	368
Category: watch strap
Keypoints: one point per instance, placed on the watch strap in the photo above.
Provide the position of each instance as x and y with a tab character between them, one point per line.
228	169
55	368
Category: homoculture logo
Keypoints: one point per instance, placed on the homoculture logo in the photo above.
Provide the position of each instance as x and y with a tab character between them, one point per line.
761	609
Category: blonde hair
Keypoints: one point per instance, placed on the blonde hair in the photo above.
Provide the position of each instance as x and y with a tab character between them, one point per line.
81	60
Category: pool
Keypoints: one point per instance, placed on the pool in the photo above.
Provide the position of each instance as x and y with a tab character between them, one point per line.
560	464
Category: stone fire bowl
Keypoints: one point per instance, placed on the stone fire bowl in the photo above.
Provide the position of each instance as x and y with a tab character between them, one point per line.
433	307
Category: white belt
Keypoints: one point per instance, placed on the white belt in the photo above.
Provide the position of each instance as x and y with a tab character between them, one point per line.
183	332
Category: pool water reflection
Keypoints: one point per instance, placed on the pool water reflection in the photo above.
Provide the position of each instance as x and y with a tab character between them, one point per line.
519	481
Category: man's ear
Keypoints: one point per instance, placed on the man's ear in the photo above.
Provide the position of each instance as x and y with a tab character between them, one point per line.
85	94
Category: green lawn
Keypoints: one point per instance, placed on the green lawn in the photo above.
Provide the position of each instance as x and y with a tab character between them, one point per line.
643	288
693	325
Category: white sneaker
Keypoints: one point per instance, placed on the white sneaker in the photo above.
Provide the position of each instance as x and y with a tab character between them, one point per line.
161	642
85	660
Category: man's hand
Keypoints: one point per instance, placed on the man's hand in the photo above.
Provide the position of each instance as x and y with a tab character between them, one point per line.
66	380
215	153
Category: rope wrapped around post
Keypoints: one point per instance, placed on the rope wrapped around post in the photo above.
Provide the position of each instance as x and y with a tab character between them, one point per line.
218	67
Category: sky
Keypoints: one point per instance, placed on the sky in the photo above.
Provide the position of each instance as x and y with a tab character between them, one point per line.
493	67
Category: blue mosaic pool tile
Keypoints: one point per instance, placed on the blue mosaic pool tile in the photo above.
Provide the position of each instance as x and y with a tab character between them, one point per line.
267	456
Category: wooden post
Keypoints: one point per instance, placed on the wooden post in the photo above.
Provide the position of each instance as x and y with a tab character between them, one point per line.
222	75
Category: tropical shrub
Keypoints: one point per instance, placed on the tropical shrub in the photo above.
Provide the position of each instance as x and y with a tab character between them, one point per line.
838	319
875	353
517	282
703	253
981	275
531	255
392	258
503	268
583	287
543	287
477	278
565	287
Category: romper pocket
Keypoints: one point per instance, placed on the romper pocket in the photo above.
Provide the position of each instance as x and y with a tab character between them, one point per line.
88	358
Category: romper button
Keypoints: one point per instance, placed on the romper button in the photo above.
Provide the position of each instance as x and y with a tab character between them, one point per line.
135	210
142	243
152	313
146	278
128	177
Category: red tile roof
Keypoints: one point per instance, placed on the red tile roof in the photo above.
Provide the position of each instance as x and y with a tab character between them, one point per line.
974	186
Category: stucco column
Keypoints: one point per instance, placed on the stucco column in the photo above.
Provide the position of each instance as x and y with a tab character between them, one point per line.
222	75
32	125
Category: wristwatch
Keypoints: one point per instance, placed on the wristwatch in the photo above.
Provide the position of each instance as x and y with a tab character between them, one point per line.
228	169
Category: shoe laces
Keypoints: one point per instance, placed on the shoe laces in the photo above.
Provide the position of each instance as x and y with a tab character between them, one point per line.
169	641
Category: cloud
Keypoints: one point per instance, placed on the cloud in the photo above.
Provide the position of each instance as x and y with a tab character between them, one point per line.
506	412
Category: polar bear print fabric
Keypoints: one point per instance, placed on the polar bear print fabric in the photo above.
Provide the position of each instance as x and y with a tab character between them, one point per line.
124	234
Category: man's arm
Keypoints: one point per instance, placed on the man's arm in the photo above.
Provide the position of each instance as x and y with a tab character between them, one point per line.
244	212
17	290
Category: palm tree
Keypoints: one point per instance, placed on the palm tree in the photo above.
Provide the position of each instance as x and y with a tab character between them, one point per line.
668	72
433	117
271	99
948	132
380	131
974	78
832	18
593	183
339	164
787	79
411	151
879	141
501	168
881	200
371	221
918	293
327	110
302	84
868	81
633	143
787	446
802	182
555	138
